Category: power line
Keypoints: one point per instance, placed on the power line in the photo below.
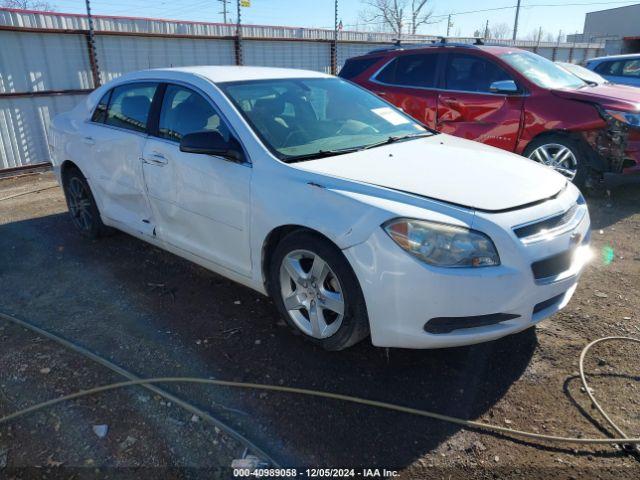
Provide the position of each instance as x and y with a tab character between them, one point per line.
509	7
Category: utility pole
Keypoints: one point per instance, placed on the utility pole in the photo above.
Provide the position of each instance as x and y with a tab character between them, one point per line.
91	46
224	9
515	23
334	44
486	30
559	36
238	35
449	25
539	35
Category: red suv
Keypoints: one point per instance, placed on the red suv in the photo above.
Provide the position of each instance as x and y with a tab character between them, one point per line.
512	99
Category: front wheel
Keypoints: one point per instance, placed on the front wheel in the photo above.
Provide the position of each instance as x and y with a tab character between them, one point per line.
317	292
565	155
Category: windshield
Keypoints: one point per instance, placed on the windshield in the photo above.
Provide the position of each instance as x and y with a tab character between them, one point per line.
582	73
541	71
300	118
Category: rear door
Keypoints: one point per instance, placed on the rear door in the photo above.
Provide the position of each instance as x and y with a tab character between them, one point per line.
409	82
468	108
116	139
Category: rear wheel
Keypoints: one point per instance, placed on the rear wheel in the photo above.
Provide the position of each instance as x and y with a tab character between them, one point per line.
317	292
82	206
562	153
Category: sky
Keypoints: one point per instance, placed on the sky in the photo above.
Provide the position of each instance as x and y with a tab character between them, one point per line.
551	15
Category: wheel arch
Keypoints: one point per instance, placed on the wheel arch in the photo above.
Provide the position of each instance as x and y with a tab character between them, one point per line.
68	166
271	241
594	160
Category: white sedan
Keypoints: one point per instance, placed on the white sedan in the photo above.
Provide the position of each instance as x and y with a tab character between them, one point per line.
354	217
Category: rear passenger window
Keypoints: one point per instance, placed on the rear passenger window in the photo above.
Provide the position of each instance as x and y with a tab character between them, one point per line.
631	68
129	106
100	113
353	68
471	73
411	71
185	111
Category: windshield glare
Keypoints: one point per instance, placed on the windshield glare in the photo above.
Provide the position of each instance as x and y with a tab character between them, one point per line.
305	116
541	71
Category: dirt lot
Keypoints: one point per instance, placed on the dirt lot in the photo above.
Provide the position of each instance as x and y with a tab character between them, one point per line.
158	315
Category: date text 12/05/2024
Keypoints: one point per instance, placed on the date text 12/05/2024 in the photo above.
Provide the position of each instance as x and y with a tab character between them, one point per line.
315	473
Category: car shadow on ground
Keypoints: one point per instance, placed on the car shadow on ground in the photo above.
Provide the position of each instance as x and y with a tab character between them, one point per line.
158	315
611	207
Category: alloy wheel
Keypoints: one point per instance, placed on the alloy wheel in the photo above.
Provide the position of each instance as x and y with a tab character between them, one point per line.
311	293
79	204
558	157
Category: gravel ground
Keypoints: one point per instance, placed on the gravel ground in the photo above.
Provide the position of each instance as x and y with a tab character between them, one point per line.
158	315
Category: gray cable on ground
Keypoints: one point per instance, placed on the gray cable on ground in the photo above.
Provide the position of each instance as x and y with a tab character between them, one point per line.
37	190
133	380
623	439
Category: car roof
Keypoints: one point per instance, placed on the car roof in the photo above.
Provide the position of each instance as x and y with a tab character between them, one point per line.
226	73
615	57
491	49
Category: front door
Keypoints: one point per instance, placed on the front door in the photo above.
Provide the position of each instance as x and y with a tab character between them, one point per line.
200	203
468	108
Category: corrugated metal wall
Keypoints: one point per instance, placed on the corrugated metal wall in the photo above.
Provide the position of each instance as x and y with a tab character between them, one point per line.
32	61
290	54
121	54
24	125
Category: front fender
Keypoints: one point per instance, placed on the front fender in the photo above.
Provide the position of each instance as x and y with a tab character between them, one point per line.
345	212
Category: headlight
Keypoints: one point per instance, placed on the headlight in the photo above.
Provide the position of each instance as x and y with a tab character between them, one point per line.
629	118
443	245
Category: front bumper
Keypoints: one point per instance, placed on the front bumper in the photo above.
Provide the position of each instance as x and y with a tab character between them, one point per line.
403	293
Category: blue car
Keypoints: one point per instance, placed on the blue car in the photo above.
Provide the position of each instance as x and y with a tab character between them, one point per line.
623	69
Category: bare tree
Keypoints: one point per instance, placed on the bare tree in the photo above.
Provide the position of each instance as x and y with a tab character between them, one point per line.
500	30
396	14
27	5
418	17
535	35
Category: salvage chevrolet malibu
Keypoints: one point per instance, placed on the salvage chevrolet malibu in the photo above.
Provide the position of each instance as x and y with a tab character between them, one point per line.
354	217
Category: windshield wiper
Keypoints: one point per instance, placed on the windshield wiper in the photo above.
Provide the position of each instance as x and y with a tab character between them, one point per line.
321	154
342	151
397	138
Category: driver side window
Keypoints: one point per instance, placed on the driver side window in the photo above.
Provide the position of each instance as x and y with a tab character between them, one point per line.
185	111
472	73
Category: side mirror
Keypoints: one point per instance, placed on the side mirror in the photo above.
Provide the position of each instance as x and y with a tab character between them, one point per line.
212	143
504	86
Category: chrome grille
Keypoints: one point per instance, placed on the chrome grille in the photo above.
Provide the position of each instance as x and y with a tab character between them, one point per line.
547	224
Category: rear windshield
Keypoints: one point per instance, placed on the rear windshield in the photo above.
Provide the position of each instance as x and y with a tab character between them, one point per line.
541	71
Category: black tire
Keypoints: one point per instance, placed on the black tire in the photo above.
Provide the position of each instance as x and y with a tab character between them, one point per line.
82	206
577	149
354	325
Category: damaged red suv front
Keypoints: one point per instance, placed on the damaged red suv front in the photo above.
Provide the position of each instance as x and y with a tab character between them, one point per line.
615	138
515	100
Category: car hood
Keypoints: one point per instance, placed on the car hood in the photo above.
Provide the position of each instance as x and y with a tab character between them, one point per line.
619	97
448	169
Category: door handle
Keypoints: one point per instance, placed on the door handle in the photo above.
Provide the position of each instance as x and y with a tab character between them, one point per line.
89	140
155	159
